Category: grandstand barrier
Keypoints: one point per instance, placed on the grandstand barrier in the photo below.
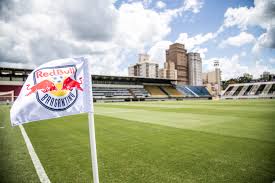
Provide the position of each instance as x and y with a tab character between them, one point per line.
247	90
272	90
239	89
250	90
243	90
266	89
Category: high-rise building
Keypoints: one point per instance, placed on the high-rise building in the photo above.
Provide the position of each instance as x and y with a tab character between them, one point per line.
134	70
267	76
144	68
169	71
142	58
195	69
178	55
212	80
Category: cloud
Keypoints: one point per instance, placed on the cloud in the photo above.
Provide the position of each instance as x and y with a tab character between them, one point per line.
232	67
139	27
147	3
193	5
191	42
86	17
261	15
267	39
157	52
160	5
201	51
238	40
243	53
272	60
36	31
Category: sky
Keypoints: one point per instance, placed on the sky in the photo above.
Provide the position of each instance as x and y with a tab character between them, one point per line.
111	33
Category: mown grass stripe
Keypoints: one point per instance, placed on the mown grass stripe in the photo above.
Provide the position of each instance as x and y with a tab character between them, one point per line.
257	127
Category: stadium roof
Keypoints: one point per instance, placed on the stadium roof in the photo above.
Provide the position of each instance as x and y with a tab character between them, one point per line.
16	72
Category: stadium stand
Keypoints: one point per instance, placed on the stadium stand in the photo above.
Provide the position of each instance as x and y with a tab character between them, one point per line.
171	91
139	92
243	90
194	91
114	88
234	89
103	92
247	90
186	91
238	91
260	89
254	89
200	91
228	90
250	90
155	91
266	89
272	90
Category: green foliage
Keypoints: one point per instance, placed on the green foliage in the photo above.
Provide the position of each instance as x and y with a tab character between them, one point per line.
246	78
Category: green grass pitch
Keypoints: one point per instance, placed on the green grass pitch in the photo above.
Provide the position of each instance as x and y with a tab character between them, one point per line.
149	142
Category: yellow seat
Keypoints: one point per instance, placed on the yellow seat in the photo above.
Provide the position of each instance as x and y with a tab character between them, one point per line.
155	91
173	92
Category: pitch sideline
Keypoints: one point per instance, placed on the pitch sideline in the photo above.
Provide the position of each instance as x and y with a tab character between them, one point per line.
35	160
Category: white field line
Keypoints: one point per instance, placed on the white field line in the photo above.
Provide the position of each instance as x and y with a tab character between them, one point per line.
35	160
2	127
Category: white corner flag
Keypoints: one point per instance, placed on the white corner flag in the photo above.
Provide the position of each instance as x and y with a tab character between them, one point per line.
58	88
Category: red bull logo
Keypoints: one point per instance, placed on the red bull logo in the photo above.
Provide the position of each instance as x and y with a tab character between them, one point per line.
70	84
45	86
56	88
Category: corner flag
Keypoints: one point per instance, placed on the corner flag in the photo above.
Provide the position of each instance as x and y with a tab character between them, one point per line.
58	88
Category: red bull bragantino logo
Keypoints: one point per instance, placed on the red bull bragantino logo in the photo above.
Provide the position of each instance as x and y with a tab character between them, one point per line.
56	88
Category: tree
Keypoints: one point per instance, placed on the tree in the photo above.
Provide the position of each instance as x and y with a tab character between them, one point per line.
244	79
230	81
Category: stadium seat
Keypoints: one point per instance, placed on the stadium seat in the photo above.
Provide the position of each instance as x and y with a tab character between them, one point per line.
155	91
185	91
139	92
104	92
173	92
194	91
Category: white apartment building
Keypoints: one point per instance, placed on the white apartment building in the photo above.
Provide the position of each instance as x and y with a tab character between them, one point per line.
169	71
144	68
212	80
195	69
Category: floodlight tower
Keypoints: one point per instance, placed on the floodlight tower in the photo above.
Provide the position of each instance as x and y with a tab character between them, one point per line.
216	63
218	77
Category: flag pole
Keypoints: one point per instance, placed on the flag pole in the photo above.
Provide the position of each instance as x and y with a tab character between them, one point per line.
93	147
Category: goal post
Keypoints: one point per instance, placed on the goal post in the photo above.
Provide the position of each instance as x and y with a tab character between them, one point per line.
7	97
